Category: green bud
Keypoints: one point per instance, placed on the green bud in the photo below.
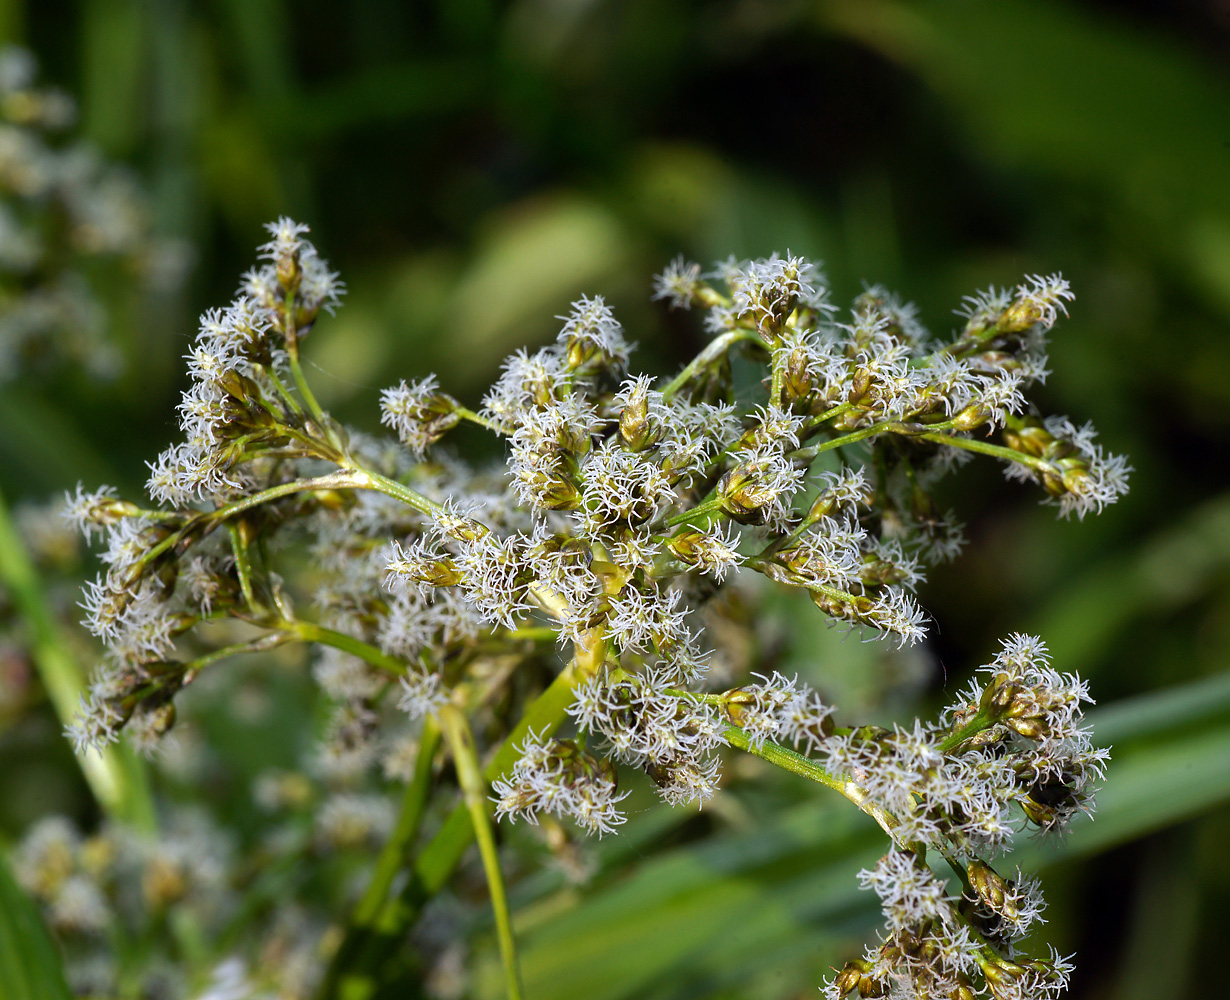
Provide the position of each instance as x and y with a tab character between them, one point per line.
988	884
744	494
971	418
1031	729
634	429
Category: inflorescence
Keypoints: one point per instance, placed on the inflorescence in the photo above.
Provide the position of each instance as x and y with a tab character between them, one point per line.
626	504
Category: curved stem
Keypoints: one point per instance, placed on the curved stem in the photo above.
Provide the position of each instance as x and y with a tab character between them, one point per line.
311	632
366	479
796	763
811	452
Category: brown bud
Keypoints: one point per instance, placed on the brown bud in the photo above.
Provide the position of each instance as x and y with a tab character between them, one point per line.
859	386
989	885
744	494
798	382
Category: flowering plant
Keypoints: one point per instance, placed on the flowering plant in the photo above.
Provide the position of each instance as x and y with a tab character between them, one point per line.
568	591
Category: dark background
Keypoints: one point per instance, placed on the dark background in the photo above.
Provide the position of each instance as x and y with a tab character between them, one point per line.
470	167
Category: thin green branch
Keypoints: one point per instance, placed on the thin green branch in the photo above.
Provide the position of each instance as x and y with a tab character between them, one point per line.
977	723
807	454
475	418
714	350
986	448
355	970
243	565
311	632
393	855
709	507
474	793
796	763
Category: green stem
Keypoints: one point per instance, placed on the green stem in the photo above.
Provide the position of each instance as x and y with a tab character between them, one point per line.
272	373
807	454
394	854
340	480
271	640
368	480
243	565
116	776
986	448
311	632
796	763
355	970
973	727
474	793
474	418
296	371
836	411
714	350
707	507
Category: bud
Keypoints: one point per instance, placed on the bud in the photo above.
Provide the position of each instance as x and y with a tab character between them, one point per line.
988	884
998	695
634	428
1029	437
971	418
798	381
859	386
963	990
745	493
1031	729
688	546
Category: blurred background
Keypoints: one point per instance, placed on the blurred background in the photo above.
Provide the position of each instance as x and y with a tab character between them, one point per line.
470	167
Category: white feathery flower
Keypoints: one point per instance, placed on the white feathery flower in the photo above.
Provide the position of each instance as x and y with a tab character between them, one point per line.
422	694
677	283
89	511
895	612
418	412
1045	296
592	329
987	305
558	777
285	239
909	892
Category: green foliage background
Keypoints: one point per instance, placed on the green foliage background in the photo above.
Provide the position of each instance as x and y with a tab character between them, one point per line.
470	167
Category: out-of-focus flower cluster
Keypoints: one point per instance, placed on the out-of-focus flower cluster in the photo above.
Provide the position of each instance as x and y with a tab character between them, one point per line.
62	206
626	506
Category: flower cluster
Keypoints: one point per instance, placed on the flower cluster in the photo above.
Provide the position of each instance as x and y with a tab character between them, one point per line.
62	209
558	776
625	506
951	787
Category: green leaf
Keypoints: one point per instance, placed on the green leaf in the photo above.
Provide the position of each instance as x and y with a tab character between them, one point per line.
30	967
